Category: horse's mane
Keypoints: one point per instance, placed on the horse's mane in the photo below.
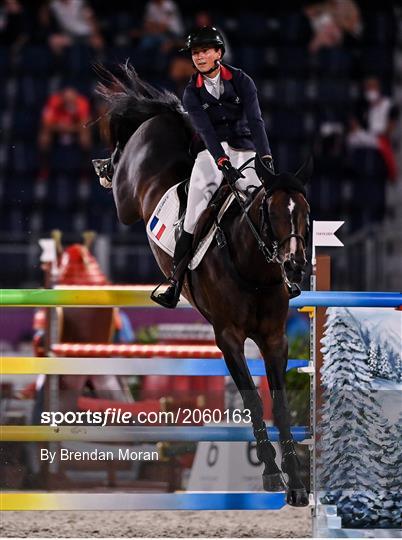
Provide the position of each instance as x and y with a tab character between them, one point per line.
132	101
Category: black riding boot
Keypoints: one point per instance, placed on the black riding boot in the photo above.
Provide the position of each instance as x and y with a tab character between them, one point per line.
104	168
181	258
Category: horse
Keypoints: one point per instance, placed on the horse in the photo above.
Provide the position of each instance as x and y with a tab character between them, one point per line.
243	294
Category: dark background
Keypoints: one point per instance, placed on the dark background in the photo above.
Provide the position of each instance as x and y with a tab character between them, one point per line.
310	92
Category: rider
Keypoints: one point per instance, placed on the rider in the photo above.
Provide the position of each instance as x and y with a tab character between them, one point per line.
223	107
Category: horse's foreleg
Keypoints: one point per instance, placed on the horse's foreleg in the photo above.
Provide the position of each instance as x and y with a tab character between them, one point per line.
275	353
232	347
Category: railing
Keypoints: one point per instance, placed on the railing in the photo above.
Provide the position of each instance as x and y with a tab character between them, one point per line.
371	259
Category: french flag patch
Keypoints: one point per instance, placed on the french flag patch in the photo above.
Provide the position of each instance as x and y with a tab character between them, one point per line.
157	227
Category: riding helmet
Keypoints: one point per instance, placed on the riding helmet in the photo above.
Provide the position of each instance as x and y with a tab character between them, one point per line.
208	35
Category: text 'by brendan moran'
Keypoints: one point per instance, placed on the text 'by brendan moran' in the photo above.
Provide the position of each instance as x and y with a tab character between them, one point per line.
118	454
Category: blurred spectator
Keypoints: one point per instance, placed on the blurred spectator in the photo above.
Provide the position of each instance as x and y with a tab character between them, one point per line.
162	25
163	17
74	22
347	16
12	22
371	158
63	122
358	136
380	110
331	21
40	22
180	70
374	123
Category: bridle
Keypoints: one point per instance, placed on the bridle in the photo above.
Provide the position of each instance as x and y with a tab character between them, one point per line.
270	253
265	222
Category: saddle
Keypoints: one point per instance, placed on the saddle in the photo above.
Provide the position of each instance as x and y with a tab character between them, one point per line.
166	222
208	216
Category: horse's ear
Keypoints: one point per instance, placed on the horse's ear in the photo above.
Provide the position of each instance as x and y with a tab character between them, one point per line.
305	172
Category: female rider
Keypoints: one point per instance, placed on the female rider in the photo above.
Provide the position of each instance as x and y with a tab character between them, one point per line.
223	107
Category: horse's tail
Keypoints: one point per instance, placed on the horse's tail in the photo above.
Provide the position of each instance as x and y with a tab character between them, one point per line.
132	101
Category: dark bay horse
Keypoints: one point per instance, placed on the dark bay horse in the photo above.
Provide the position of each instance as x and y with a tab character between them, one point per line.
245	297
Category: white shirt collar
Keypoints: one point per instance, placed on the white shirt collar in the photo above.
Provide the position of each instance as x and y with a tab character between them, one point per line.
214	86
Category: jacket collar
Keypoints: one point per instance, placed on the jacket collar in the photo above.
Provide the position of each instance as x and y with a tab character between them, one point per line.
226	75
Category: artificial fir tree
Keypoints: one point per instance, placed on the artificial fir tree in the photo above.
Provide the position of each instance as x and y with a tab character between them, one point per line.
354	455
384	369
398	366
373	359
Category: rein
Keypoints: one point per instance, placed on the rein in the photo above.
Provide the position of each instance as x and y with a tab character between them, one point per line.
270	256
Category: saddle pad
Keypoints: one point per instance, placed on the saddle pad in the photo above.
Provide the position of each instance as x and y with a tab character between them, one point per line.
161	225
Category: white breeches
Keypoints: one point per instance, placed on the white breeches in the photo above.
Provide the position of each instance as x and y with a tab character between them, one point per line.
206	178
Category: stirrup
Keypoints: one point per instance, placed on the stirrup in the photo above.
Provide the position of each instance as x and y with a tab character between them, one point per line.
168	298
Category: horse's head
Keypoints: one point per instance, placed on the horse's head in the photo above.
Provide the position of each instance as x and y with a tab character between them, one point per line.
286	222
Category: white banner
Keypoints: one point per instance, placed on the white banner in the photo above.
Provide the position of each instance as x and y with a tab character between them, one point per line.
49	253
324	234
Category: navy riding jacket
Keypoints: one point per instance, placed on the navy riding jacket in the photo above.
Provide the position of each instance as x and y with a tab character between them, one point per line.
235	117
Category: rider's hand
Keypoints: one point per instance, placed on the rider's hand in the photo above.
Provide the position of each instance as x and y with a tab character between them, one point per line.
269	163
230	173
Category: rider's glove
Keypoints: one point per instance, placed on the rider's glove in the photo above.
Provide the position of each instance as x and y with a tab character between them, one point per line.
269	163
230	173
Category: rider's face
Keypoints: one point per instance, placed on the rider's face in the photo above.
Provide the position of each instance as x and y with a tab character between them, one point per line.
204	57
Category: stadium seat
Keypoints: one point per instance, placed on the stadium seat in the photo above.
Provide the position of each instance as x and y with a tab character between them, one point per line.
290	93
98	195
288	156
18	191
22	158
66	158
56	218
31	91
378	60
253	29
4	61
332	91
36	60
333	62
285	125
379	28
293	61
103	220
249	59
25	124
294	28
61	190
78	60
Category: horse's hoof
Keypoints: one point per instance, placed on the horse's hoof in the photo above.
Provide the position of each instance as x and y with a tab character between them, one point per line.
273	482
297	497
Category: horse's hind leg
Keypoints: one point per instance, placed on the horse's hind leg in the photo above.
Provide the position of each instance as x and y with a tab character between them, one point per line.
275	353
232	347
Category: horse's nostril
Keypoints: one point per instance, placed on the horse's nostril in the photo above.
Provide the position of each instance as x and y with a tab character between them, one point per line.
294	266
